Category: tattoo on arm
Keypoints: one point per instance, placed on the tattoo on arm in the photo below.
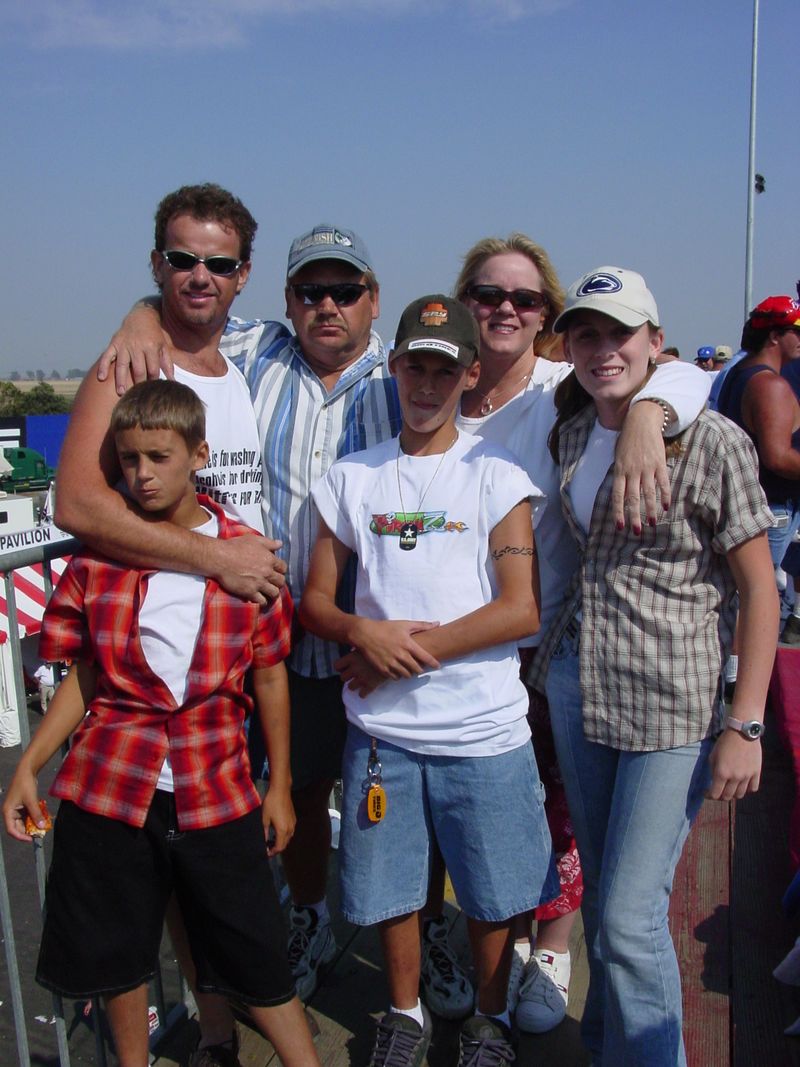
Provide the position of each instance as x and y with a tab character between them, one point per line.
513	550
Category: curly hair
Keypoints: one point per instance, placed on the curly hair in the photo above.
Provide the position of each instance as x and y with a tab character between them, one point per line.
545	340
207	202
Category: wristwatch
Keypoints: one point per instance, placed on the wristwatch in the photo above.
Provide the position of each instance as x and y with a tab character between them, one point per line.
752	729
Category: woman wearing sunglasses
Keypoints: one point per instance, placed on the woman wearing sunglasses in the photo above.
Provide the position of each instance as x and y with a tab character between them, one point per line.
634	662
513	291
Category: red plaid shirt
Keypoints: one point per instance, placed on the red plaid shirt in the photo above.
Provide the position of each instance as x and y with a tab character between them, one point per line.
134	721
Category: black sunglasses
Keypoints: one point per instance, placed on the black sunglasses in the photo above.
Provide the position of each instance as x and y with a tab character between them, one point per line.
222	265
343	294
522	299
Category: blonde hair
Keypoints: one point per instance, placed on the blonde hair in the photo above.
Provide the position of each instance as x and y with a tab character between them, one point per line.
545	340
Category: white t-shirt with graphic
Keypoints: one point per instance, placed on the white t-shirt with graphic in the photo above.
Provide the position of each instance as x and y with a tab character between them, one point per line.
473	706
233	475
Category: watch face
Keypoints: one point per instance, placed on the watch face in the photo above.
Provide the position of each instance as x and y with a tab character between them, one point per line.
754	729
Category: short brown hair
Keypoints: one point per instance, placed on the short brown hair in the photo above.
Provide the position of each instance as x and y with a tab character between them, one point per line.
207	202
162	405
517	242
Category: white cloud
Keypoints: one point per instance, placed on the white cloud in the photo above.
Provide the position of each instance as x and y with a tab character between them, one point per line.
152	24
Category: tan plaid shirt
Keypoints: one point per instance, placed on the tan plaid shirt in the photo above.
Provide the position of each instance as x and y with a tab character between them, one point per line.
658	610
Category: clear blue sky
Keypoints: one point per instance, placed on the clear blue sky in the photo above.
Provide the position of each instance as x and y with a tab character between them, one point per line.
611	133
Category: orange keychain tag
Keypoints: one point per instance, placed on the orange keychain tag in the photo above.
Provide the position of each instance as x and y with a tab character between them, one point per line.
376	803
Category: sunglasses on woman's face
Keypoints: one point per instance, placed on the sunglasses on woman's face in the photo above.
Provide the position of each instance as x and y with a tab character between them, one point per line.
224	266
521	299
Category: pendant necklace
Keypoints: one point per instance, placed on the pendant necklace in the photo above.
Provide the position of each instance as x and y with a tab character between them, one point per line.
487	407
409	530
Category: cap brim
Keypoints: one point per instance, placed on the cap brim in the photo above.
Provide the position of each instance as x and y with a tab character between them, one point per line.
449	349
614	310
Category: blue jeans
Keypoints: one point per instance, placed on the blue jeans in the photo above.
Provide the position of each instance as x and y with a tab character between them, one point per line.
632	812
780	537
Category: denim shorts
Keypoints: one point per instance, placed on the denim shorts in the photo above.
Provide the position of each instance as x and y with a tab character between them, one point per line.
107	891
485	812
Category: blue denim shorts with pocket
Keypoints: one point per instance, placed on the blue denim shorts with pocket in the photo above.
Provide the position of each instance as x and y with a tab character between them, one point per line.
485	812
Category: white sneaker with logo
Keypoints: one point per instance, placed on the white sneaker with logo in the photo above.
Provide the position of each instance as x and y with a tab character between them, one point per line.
544	991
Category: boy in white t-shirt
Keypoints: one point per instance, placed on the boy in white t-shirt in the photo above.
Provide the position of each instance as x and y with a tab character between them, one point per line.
438	741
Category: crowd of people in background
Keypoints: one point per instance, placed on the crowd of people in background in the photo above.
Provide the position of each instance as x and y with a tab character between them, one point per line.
524	558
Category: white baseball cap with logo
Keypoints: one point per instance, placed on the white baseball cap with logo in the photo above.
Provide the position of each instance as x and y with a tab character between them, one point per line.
621	294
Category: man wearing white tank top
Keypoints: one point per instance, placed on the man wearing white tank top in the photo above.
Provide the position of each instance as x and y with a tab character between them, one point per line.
200	262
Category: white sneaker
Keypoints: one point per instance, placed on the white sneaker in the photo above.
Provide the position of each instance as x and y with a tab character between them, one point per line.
543	994
444	985
311	945
515	981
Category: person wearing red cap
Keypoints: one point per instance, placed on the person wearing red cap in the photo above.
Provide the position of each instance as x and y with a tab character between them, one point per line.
756	397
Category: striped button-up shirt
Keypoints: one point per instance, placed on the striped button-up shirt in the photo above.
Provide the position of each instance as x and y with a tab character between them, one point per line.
303	430
134	722
658	611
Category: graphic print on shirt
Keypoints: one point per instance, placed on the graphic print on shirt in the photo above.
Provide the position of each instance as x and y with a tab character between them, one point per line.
231	477
393	523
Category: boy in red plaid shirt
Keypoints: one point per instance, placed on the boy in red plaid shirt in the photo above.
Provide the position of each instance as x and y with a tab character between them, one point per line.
156	794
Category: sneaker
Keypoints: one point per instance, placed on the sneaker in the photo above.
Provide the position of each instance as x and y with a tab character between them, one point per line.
485	1042
217	1055
311	946
515	981
543	995
401	1041
444	986
791	631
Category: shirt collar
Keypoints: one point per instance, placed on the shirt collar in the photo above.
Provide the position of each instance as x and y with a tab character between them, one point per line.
374	355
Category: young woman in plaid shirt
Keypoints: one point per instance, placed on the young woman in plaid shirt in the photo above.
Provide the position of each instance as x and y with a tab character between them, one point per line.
635	657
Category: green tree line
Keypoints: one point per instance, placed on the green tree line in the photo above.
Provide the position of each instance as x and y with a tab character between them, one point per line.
41	400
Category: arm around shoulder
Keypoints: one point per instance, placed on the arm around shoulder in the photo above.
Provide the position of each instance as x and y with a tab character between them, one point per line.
89	507
140	349
669	402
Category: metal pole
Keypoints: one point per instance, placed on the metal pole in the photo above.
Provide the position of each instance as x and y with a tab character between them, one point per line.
751	172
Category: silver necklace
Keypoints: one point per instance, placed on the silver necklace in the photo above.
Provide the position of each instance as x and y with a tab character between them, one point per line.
487	407
411	529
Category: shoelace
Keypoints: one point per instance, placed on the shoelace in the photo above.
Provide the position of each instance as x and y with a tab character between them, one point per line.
547	989
485	1052
394	1048
445	963
298	946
